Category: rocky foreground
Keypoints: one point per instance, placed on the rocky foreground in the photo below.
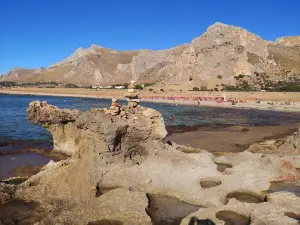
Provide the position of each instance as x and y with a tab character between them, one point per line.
118	158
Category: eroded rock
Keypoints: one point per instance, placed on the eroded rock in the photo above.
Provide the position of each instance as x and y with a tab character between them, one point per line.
126	155
289	201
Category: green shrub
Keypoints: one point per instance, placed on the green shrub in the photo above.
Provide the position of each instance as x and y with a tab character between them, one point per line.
139	86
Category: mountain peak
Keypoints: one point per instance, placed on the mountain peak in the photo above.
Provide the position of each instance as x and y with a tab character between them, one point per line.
93	46
219	25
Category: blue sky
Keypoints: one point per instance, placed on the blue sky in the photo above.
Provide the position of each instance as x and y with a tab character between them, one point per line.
36	33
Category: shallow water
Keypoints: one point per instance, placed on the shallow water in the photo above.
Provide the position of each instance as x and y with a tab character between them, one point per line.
285	186
164	210
10	162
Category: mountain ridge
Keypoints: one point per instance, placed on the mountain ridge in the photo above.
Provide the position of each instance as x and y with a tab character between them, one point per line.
222	51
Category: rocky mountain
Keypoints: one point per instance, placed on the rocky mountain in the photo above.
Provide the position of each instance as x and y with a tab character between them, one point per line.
215	57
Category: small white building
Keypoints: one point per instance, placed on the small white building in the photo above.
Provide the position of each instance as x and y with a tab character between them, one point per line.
119	87
97	86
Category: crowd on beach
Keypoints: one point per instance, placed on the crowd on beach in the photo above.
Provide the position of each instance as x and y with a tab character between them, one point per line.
196	100
218	99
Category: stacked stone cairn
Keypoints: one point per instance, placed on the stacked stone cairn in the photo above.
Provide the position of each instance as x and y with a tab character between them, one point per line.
132	95
115	107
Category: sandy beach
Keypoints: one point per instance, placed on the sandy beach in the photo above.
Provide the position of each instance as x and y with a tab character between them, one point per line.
278	98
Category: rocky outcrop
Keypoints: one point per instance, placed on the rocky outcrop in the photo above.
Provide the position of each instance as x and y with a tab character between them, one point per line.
288	41
291	144
215	57
116	159
223	50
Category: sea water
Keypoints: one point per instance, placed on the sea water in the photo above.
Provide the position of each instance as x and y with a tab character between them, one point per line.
17	133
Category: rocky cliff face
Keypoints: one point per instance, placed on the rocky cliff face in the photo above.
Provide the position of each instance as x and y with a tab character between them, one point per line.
288	41
115	159
222	51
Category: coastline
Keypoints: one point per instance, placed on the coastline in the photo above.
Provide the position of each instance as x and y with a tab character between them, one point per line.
108	94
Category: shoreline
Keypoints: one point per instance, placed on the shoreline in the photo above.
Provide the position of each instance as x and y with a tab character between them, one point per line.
295	107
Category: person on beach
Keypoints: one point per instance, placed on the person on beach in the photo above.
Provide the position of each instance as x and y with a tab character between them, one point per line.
171	118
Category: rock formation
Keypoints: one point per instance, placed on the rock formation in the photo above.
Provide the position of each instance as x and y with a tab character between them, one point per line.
288	41
215	57
132	95
291	144
116	159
